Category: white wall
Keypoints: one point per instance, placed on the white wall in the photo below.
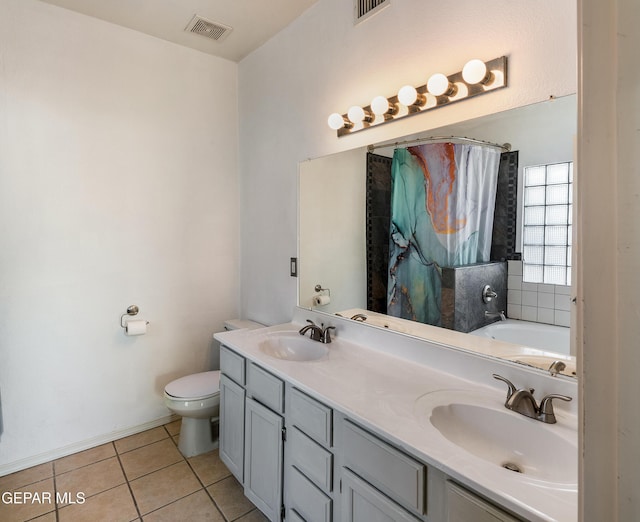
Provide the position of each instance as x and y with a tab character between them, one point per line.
321	64
118	186
332	249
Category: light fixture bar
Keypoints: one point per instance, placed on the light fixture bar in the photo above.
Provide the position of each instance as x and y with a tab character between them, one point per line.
458	90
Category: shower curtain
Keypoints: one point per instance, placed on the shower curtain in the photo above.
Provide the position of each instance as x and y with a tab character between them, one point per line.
442	203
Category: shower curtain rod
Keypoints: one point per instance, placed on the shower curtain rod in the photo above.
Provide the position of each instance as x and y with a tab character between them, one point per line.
506	147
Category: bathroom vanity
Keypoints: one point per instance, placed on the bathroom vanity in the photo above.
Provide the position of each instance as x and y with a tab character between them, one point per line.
376	426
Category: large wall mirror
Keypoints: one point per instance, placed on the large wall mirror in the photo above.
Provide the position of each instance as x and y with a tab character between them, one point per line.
332	236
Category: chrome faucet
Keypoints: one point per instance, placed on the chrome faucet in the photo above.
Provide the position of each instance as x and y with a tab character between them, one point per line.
556	367
318	333
522	401
500	314
488	294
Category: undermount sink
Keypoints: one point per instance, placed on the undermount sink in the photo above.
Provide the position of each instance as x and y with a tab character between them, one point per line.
292	346
484	428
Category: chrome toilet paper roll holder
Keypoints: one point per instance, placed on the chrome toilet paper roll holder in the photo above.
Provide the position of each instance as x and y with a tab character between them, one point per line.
131	311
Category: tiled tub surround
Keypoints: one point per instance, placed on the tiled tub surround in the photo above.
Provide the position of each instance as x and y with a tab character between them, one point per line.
550	304
376	376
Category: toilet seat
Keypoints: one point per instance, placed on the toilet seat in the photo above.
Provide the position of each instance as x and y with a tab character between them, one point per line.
195	387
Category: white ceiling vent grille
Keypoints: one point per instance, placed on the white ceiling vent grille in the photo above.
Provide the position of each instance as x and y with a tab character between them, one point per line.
213	30
364	9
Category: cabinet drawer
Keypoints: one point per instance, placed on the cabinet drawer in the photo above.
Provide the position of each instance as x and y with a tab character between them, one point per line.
232	365
311	459
389	470
462	505
363	503
265	388
312	417
308	501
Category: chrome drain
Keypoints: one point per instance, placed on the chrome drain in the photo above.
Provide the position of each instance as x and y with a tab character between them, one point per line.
512	467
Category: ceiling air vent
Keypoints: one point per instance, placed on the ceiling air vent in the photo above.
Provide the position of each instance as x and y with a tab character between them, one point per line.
363	9
213	30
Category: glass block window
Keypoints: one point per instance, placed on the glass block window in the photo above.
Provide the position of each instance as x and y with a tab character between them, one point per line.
547	222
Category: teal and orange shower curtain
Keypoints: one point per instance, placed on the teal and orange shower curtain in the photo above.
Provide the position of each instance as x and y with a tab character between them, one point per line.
442	204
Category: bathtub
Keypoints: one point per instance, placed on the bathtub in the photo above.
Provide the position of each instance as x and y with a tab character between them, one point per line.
541	344
545	337
532	344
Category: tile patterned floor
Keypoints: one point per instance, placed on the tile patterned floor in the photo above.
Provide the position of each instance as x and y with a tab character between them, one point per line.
139	478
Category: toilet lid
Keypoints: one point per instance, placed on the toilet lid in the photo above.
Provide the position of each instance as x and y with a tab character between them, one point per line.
195	386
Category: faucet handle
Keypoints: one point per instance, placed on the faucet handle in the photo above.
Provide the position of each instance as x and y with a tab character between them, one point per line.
546	407
326	334
512	388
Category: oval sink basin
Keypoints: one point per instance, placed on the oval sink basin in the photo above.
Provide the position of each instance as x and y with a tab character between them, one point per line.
292	346
486	429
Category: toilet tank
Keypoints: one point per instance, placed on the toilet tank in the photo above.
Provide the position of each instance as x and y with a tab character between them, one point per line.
229	324
237	324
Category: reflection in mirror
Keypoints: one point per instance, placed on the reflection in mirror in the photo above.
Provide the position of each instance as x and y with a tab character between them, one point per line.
333	241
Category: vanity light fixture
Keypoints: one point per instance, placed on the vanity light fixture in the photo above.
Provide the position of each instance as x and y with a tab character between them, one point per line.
477	77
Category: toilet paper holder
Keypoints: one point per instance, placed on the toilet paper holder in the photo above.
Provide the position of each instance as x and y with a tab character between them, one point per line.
131	311
318	288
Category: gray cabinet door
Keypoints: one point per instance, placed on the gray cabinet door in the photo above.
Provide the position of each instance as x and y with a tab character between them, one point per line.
263	459
363	503
232	426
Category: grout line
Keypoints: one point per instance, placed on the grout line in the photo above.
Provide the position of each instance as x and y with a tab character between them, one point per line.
205	487
55	491
126	479
138	447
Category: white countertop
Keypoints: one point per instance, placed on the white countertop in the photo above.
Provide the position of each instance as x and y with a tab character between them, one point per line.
382	392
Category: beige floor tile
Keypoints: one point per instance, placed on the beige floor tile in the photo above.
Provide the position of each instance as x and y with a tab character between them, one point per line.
254	516
229	496
150	458
164	486
195	507
140	439
174	427
25	477
113	505
41	500
209	467
90	480
49	517
84	458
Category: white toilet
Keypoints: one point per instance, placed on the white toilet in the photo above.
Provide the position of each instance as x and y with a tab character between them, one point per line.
196	398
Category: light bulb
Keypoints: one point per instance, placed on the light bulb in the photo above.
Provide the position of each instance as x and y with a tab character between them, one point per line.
379	105
410	97
438	84
336	121
475	71
407	95
356	114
